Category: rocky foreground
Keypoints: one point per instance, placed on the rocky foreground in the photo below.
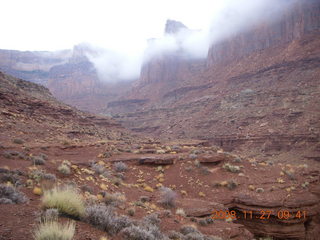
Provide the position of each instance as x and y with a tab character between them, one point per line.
45	143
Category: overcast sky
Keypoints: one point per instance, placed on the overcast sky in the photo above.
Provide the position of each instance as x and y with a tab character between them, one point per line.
122	27
115	24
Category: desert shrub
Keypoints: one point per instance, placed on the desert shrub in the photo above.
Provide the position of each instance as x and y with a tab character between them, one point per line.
52	230
116	181
10	154
120	167
209	220
12	194
18	141
106	219
232	184
167	197
145	199
106	174
50	214
131	211
203	222
44	156
120	223
64	169
66	200
37	160
186	229
114	199
143	232
180	212
10	177
49	176
231	168
97	168
197	163
39	175
87	188
152	219
194	236
136	233
175	235
120	176
204	170
6	201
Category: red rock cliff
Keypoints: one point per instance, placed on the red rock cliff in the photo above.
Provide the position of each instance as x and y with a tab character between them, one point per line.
302	18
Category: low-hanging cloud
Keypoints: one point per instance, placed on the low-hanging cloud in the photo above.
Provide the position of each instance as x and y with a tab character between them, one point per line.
228	18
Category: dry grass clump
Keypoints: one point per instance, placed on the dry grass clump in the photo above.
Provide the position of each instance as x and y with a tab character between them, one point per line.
167	197
64	169
180	212
120	167
114	199
67	200
10	195
53	230
231	168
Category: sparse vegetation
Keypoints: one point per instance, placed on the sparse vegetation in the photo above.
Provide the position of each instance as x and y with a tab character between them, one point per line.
204	170
53	230
18	141
131	211
10	195
50	214
97	168
120	167
231	168
106	219
66	200
180	212
64	169
37	160
114	199
168	197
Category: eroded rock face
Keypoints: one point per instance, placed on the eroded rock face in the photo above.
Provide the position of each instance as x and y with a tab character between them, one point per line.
68	74
302	19
258	90
294	217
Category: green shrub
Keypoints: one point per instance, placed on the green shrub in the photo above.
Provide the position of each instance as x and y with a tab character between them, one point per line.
67	200
52	230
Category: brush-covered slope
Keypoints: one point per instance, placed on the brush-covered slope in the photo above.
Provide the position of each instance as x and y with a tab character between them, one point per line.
29	112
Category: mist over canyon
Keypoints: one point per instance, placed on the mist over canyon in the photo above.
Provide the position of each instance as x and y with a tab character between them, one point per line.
224	117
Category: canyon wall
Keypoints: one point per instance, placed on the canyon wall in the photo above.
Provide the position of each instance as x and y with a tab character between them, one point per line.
257	91
69	75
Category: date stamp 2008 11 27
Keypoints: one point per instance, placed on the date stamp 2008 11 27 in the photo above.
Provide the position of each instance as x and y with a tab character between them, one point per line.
262	215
